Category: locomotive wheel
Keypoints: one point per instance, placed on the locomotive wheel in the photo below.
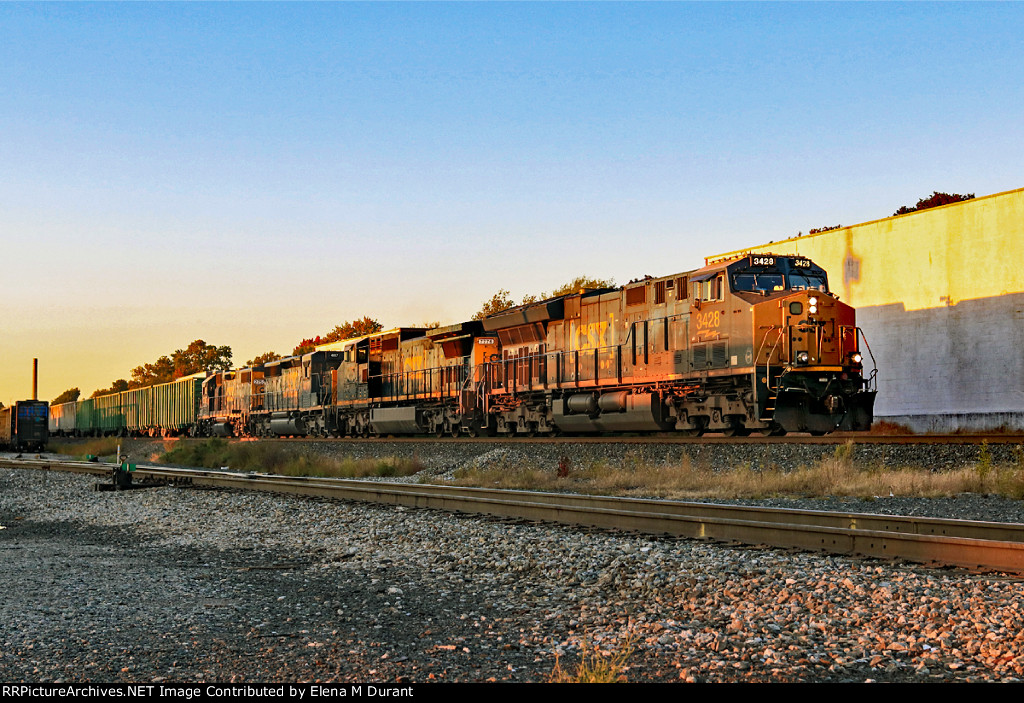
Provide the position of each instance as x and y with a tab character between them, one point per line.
736	427
735	432
476	428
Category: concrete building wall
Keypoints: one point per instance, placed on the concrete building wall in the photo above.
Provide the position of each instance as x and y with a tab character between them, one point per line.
940	296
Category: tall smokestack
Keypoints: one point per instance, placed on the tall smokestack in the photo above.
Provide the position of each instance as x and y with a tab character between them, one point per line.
35	379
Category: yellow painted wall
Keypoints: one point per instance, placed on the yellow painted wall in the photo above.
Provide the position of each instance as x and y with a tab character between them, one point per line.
932	258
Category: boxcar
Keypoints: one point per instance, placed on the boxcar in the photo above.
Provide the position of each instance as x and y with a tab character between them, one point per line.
24	425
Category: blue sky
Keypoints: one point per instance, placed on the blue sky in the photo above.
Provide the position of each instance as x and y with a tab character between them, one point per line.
252	174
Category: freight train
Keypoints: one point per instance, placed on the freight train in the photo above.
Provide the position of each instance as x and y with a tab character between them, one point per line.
750	344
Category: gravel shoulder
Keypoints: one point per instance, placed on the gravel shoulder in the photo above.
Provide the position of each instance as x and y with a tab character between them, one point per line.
173	584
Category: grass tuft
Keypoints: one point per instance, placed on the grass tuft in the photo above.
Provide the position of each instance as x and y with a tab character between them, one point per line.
269	457
594	666
101	446
837	473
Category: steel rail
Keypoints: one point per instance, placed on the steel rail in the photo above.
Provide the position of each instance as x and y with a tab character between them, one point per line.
972	544
665	438
668	438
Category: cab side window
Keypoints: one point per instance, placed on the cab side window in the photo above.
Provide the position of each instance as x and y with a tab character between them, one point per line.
710	290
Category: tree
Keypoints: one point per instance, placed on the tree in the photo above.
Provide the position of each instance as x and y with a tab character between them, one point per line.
200	356
580	283
264	358
160	371
498	302
934	200
347	330
307	345
195	358
116	387
356	328
501	301
68	396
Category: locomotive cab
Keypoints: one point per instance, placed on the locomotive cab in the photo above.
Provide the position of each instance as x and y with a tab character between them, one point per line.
808	371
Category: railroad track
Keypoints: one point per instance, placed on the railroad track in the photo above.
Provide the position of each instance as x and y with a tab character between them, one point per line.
971	544
832	439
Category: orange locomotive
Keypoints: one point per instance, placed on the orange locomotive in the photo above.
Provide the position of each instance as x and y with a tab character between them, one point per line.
756	343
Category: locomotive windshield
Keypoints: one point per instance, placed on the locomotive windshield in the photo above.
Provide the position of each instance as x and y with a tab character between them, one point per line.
757	282
807	280
769	274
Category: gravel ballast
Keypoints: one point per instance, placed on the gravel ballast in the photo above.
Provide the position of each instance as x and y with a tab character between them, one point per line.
174	584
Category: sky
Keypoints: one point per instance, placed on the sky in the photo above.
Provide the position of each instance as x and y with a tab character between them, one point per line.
254	174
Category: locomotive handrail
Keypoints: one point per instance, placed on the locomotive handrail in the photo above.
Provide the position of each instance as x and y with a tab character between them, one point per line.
510	379
768	359
409	384
764	339
872	383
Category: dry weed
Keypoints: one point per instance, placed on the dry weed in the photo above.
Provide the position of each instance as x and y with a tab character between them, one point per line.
837	474
594	666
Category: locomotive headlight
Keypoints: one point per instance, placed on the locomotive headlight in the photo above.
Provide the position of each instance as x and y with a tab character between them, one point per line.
856	357
813	308
802	357
813	301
